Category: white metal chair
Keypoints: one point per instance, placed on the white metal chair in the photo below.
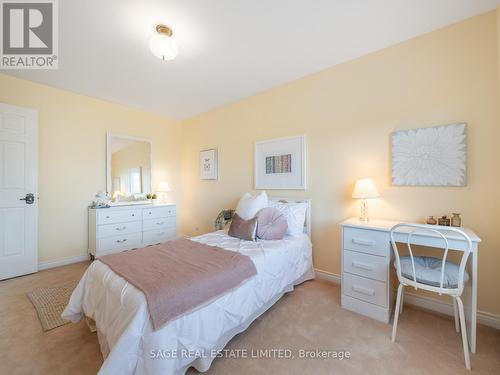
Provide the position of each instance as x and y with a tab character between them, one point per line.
432	274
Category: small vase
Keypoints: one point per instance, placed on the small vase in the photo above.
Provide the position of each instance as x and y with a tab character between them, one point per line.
431	220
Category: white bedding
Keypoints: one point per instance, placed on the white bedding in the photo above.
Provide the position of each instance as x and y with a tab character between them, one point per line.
128	342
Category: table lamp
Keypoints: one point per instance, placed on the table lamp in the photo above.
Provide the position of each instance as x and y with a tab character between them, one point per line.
163	188
365	189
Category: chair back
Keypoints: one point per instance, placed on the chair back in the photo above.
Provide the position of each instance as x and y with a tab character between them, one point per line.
410	230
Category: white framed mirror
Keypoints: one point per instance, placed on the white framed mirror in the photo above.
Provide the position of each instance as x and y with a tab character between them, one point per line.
128	168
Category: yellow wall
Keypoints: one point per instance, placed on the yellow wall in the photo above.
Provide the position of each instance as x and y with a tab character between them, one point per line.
348	113
72	157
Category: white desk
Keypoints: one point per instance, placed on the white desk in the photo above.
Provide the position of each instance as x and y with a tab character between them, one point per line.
367	281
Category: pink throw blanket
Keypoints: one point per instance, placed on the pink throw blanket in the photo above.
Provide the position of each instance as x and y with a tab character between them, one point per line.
181	275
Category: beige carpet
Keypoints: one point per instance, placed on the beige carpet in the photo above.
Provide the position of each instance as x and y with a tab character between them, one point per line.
50	302
308	318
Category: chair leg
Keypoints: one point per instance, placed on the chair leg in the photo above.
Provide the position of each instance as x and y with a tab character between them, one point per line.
396	312
455	313
464	332
402	301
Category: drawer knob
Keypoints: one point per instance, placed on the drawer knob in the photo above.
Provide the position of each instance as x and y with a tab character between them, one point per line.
150	212
161	223
122	228
363	242
133	214
365	291
121	241
107	217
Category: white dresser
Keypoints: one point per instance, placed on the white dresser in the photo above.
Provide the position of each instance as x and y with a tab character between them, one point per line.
366	269
122	228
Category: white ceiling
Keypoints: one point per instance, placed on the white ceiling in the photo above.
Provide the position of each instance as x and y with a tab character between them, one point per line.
228	49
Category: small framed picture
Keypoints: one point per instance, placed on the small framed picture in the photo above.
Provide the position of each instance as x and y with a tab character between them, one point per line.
208	164
281	163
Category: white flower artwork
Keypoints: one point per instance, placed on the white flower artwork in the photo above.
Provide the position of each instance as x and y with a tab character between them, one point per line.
434	156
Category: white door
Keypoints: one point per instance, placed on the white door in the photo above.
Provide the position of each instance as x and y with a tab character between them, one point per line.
18	191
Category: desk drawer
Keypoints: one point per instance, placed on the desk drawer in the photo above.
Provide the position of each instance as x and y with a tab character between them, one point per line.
121	242
372	266
109	230
152	237
110	217
367	241
156	212
365	289
160	223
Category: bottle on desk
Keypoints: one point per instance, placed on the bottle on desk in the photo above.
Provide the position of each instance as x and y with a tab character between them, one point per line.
444	221
456	220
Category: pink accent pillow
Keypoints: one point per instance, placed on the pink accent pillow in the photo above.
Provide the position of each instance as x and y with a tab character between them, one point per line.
271	224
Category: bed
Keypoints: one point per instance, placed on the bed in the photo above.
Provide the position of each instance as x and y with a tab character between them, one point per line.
126	336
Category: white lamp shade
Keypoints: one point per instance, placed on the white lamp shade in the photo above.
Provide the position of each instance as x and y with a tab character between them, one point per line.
365	189
163	47
163	187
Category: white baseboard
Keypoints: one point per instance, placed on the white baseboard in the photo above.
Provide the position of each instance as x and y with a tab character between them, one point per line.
328	276
483	317
62	262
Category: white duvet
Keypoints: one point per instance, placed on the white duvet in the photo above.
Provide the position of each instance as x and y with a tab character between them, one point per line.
128	342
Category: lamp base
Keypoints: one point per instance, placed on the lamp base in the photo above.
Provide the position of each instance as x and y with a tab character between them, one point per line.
364	211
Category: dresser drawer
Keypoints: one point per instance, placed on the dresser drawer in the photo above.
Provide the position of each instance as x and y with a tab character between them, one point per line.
156	212
119	229
160	223
121	242
152	237
372	266
366	241
365	289
110	217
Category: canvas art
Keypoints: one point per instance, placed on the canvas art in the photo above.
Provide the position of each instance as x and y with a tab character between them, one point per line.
434	156
208	164
280	163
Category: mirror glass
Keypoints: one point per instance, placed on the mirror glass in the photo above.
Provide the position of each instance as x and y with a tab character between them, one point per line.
129	168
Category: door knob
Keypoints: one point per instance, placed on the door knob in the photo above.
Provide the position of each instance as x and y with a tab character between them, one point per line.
29	198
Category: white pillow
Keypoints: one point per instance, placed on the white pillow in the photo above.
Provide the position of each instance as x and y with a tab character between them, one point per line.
295	214
248	206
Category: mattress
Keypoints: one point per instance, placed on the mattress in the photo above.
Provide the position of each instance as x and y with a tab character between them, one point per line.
131	346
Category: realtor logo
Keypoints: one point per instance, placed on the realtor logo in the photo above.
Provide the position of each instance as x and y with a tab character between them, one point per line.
29	37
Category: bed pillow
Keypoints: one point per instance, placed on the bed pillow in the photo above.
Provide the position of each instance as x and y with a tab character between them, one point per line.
249	205
295	214
243	229
271	224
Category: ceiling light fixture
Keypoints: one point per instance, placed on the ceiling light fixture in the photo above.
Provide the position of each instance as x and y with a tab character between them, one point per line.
162	44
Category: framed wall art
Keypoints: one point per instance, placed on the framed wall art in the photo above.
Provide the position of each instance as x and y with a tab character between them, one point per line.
434	156
281	163
208	164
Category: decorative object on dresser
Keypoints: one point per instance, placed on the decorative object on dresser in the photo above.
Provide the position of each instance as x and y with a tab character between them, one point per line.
365	189
281	163
434	156
209	164
163	188
122	228
366	285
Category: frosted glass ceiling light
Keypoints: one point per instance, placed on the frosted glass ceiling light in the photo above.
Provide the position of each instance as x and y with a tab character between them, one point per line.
162	44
